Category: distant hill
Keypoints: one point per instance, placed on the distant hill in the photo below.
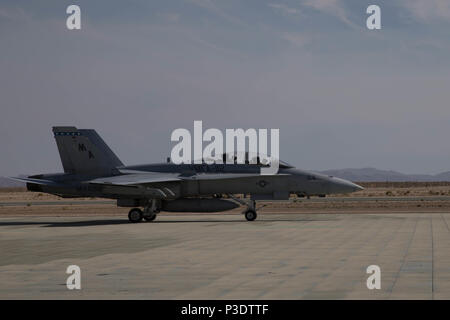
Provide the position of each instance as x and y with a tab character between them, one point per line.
376	175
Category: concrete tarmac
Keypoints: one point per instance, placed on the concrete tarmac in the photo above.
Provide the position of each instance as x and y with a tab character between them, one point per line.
299	200
278	256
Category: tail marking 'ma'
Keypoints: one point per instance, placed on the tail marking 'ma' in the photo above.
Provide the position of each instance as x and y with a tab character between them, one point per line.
83	151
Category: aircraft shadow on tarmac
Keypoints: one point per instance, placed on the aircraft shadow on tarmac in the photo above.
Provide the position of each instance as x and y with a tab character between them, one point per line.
89	223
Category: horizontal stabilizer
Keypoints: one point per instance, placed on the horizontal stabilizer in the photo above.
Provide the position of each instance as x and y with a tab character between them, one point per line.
38	181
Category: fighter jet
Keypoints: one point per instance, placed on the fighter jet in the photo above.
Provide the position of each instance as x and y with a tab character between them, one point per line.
91	169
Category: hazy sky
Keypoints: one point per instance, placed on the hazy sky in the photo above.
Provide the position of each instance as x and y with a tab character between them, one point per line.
341	95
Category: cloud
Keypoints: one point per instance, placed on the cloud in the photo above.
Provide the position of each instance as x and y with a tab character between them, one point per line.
331	7
212	7
428	10
170	17
14	14
296	39
284	9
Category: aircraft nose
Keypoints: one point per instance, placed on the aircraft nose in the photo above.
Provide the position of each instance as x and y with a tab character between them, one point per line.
357	187
345	186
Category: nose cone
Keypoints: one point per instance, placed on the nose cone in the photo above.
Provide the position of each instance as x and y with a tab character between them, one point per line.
344	186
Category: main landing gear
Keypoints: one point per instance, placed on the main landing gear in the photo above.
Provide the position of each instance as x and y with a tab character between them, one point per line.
135	215
149	214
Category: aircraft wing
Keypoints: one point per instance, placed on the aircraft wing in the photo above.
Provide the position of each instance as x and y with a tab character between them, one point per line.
160	177
225	176
139	184
146	178
136	179
151	184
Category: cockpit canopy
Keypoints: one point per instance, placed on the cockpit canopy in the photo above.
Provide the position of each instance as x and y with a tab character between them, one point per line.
249	158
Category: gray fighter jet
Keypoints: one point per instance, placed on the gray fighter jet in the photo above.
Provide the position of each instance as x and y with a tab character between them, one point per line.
91	169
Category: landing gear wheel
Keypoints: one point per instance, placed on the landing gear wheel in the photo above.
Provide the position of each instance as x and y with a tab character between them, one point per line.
135	215
250	215
150	218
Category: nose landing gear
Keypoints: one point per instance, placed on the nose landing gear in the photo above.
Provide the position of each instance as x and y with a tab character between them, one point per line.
250	215
250	212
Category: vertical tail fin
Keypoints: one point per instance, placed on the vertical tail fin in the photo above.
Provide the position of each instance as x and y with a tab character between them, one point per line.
83	151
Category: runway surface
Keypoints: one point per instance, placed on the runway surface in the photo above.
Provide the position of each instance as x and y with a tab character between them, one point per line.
279	256
304	200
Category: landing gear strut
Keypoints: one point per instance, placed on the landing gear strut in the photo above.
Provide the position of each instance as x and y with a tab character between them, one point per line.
150	211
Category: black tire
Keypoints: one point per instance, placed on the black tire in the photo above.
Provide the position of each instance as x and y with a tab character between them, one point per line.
150	218
250	215
135	215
